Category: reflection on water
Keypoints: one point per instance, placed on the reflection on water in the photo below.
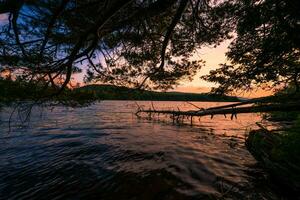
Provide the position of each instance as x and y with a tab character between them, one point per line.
105	152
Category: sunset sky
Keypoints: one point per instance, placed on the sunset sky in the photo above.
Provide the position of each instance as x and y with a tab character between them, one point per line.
212	56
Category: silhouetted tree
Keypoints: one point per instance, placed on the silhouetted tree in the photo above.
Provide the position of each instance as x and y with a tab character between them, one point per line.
138	43
266	50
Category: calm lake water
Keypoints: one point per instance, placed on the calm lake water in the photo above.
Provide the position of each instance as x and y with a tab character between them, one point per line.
105	152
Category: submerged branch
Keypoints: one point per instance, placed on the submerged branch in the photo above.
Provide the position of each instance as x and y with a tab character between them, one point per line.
233	111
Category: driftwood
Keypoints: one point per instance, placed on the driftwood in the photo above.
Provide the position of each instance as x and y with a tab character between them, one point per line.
248	109
268	99
250	101
232	109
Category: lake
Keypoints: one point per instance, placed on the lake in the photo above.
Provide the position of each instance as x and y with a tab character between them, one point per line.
105	152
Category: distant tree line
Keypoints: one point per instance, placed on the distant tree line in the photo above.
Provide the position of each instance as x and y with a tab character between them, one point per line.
17	91
110	92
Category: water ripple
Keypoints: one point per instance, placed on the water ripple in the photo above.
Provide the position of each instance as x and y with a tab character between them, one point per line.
98	153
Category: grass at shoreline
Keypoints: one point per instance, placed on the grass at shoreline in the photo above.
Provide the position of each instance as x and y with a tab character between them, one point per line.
279	154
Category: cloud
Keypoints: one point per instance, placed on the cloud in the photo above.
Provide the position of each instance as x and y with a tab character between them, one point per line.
3	19
192	89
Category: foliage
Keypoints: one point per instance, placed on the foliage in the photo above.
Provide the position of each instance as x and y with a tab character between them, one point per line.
284	96
266	49
279	153
150	44
14	91
289	148
281	116
137	43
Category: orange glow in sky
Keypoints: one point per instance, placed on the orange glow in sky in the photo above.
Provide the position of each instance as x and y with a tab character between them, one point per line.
213	57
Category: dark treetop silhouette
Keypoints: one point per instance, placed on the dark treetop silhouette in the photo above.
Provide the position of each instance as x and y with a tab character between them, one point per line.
147	44
266	49
137	43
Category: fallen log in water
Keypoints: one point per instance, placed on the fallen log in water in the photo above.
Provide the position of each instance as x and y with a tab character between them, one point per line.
250	101
288	107
268	99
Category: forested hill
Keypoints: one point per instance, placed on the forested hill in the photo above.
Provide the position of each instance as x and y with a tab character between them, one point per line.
110	92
